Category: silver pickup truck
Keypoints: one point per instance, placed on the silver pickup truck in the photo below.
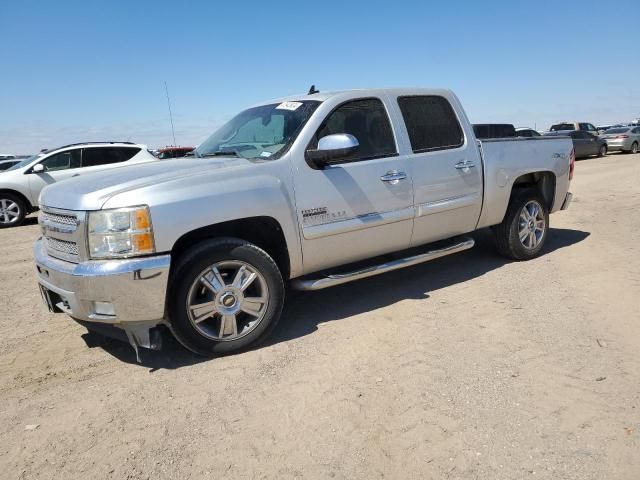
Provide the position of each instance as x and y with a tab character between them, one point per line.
314	190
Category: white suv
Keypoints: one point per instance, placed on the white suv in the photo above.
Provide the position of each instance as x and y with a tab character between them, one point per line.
21	184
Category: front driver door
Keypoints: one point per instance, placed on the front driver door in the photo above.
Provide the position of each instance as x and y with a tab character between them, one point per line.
363	206
57	167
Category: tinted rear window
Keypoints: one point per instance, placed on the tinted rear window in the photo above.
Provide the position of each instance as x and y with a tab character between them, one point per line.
562	126
431	123
92	157
618	130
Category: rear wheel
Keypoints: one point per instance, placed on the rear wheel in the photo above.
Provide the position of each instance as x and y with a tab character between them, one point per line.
634	148
12	210
226	296
525	227
603	151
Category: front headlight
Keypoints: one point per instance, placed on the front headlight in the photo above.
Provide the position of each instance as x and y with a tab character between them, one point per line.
120	233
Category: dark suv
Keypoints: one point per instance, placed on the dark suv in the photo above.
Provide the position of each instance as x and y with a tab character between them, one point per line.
585	144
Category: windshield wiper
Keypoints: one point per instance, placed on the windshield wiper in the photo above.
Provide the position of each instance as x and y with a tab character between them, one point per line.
221	153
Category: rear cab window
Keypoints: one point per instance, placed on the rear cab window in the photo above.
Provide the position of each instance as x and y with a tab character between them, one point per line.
431	123
562	126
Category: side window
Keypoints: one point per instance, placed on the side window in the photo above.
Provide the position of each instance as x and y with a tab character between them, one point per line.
366	120
62	161
583	126
431	123
126	153
92	157
591	128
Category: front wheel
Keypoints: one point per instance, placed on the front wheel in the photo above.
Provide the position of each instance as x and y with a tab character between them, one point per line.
525	227
226	295
12	210
603	151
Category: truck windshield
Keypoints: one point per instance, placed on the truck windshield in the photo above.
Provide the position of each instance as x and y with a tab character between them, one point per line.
263	132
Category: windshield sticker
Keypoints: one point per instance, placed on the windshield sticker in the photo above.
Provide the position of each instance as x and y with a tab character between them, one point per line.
289	106
266	154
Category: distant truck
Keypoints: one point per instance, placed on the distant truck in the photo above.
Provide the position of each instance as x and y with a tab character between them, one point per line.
583	126
313	190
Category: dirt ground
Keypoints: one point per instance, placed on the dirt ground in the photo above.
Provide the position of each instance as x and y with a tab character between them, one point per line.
469	367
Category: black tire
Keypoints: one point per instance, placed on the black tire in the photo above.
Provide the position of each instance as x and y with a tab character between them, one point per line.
507	236
17	206
602	152
634	148
187	273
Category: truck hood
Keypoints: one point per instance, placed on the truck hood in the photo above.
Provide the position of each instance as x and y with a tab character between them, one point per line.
93	190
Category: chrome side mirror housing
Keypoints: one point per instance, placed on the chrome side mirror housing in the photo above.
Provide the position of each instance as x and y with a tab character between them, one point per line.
332	149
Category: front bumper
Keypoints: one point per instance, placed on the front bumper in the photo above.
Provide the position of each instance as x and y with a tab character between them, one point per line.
117	292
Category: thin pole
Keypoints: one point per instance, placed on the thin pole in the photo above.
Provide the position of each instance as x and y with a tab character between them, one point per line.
173	132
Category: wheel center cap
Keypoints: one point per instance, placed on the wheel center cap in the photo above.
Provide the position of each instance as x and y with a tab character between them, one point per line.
228	300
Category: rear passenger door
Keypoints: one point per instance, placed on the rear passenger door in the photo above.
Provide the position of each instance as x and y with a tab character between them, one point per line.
445	167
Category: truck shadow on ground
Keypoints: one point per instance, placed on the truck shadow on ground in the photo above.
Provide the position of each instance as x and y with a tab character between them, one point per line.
304	311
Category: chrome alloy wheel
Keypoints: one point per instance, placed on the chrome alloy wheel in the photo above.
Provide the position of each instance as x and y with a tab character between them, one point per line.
531	225
227	300
9	211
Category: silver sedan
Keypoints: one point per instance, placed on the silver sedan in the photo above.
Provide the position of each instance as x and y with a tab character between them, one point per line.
625	139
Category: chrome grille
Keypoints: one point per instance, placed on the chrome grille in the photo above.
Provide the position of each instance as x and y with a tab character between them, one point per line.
62	246
64	233
59	219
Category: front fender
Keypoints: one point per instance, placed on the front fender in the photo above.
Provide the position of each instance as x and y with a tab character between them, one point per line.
185	205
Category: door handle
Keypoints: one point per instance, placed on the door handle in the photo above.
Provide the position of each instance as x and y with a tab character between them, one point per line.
465	165
393	177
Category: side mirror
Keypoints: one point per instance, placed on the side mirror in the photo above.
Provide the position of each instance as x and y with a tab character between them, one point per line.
39	168
333	149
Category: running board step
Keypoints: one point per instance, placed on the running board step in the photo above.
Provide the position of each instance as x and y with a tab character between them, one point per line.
331	280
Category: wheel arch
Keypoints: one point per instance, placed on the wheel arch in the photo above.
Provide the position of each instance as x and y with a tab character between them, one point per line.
263	231
21	196
544	181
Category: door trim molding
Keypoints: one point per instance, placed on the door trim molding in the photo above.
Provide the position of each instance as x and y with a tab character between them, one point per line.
360	222
450	203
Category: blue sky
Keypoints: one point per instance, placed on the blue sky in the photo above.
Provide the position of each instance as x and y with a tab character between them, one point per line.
76	71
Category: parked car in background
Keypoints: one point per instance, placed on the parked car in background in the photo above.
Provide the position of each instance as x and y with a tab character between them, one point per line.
297	189
173	152
624	139
585	144
584	126
527	132
20	185
4	164
493	130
